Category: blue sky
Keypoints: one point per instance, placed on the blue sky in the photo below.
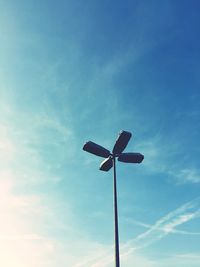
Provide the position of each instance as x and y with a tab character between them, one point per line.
74	71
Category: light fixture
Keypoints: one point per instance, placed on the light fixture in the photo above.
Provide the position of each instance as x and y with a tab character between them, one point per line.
107	164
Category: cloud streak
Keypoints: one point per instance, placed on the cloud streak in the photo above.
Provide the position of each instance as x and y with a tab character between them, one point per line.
163	227
188	176
158	162
166	225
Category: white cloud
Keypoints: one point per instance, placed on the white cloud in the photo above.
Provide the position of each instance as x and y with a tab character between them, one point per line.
166	225
18	234
130	251
159	158
187	176
28	229
179	260
7	147
154	158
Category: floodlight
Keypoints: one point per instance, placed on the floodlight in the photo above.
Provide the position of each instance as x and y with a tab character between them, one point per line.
95	149
131	157
121	142
107	164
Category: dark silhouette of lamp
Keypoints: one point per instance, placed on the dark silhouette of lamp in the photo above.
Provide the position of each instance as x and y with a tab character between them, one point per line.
107	164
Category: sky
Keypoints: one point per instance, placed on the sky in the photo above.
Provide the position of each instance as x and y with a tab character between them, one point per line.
74	71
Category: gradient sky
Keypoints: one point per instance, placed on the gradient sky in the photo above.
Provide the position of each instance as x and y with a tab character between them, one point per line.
73	71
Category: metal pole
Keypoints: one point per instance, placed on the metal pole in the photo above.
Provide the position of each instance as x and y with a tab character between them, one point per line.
117	260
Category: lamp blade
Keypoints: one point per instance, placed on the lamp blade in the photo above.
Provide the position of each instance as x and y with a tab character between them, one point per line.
96	149
106	165
121	142
131	157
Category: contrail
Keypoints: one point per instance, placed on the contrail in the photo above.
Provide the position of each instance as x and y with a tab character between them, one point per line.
163	227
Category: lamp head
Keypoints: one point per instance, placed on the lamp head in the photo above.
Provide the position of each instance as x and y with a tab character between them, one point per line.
121	142
96	149
107	164
131	157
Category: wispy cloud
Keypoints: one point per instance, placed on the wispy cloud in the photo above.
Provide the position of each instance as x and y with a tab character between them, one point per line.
158	162
163	227
189	256
167	224
18	233
22	237
187	176
27	231
169	228
153	155
185	260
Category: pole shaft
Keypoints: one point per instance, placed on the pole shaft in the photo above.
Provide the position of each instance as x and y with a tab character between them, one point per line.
117	260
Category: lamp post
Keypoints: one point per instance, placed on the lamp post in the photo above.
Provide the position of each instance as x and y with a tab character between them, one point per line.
107	164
